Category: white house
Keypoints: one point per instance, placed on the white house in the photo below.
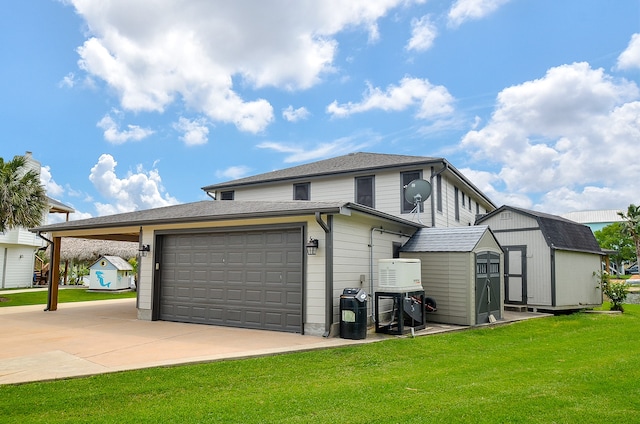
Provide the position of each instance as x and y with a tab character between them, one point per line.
241	260
18	246
110	273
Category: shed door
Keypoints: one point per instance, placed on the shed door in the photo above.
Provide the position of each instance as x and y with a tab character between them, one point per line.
488	294
515	274
250	279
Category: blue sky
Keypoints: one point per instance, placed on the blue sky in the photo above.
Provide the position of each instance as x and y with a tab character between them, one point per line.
130	105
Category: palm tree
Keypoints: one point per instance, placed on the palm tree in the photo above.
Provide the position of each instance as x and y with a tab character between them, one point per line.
632	225
22	198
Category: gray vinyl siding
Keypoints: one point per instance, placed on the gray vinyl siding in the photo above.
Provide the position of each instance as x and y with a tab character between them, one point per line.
352	238
388	195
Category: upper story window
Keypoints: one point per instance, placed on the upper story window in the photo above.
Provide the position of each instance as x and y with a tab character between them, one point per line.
227	195
365	190
405	179
439	192
456	201
302	191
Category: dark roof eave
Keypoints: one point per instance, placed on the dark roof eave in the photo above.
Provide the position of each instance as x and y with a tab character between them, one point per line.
68	226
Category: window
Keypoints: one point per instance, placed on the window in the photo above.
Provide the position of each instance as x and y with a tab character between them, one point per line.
477	208
365	191
302	191
456	200
469	203
439	192
405	179
463	203
226	195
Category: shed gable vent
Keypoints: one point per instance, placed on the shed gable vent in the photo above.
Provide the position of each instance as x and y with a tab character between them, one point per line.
505	215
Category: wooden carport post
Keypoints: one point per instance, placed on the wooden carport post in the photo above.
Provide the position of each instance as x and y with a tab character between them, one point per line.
54	275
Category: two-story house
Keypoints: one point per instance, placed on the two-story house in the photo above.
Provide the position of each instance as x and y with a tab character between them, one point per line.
18	246
275	251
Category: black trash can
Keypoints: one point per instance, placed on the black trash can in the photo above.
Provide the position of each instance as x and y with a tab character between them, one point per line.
353	314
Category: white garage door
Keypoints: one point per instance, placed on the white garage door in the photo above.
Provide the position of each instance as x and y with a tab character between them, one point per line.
250	279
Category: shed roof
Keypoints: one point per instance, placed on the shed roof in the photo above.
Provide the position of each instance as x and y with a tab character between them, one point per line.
456	239
560	233
119	263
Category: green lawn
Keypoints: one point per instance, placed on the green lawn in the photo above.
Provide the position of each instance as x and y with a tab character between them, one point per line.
64	295
580	368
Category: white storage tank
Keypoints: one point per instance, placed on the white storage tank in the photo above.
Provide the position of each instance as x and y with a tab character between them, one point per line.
399	275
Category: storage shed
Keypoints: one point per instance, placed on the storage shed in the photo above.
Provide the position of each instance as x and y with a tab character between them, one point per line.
461	271
550	261
110	273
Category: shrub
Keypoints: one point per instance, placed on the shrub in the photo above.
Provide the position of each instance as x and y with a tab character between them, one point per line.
616	291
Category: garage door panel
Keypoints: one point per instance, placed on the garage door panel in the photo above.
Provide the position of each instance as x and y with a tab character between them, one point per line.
247	279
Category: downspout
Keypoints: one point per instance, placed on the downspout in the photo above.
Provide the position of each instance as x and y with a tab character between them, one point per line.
49	293
445	166
328	271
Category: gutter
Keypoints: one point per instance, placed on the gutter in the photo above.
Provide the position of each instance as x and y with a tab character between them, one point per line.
328	271
49	293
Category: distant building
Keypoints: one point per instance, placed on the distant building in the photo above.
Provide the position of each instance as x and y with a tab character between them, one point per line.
596	220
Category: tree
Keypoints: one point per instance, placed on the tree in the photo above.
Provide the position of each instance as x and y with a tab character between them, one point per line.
632	225
614	237
22	198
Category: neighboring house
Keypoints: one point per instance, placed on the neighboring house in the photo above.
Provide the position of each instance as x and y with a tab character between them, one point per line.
462	271
18	246
596	220
370	179
550	262
110	273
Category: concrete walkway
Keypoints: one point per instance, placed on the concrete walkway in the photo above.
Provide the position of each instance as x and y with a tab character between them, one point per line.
87	338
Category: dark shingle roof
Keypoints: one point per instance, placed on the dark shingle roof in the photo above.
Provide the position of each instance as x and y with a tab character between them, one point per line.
353	162
436	239
209	210
559	232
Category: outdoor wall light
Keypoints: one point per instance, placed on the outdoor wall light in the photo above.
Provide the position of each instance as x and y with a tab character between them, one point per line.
312	246
144	249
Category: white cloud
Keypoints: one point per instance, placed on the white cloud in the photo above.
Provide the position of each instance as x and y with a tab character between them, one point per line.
153	54
294	115
423	34
233	172
630	58
566	137
136	191
46	179
431	100
466	10
68	80
195	131
114	135
338	147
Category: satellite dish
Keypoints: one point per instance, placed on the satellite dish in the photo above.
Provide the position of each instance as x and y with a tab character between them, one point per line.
416	192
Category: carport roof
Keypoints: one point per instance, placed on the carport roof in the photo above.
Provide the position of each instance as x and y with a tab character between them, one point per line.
208	210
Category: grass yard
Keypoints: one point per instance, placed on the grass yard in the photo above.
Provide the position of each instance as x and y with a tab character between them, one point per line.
580	368
64	296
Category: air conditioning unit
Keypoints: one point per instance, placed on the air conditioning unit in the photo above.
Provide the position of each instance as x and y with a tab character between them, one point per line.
399	275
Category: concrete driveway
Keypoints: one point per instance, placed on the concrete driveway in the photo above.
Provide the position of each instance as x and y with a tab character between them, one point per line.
87	338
